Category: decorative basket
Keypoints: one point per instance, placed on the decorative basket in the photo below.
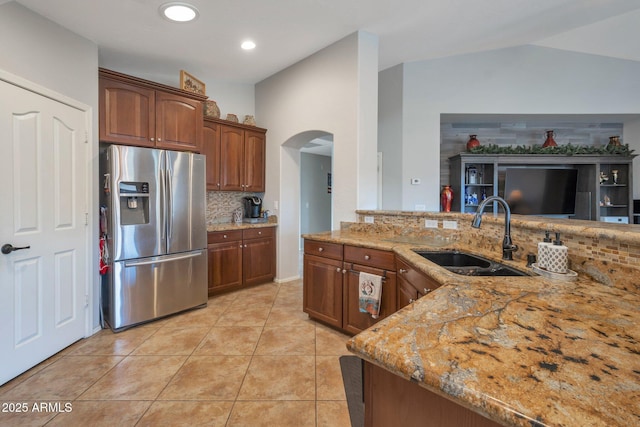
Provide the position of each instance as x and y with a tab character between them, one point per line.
249	120
232	118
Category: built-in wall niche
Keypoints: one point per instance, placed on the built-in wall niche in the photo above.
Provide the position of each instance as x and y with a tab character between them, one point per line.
525	129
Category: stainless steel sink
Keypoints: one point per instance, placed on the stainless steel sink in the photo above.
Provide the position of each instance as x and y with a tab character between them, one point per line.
469	264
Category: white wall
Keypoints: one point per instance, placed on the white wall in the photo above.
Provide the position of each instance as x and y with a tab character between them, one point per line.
45	53
526	80
390	134
333	91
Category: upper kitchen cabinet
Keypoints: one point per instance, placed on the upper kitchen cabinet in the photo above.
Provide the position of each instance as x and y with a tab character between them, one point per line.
235	156
138	112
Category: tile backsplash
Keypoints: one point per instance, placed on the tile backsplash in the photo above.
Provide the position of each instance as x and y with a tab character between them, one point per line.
221	204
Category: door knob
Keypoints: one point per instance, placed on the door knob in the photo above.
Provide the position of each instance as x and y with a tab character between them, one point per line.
8	248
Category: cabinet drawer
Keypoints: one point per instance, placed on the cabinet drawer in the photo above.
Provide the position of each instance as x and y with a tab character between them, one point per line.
384	260
415	278
254	233
223	236
323	249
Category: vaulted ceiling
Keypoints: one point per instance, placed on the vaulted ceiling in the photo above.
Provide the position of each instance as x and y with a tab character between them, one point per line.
131	34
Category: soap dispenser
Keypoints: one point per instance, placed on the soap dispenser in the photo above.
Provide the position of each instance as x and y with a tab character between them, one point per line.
557	256
543	256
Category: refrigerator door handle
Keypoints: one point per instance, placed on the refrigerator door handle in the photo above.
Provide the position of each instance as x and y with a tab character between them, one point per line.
169	205
164	259
163	193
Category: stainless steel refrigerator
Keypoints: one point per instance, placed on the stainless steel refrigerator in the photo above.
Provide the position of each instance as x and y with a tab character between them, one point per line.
154	231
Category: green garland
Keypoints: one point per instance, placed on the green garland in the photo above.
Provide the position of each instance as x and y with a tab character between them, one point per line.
566	150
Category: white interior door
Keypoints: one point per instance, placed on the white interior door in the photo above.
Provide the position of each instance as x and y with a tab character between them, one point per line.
44	200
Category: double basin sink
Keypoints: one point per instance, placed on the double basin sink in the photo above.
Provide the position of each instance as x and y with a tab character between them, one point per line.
469	264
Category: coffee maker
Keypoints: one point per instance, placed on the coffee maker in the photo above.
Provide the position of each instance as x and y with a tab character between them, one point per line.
252	207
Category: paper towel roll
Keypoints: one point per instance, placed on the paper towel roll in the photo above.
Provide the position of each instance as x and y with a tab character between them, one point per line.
557	260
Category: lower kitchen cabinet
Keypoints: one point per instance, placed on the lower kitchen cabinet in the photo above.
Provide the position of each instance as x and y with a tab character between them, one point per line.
331	283
390	400
240	258
322	290
412	284
258	255
355	321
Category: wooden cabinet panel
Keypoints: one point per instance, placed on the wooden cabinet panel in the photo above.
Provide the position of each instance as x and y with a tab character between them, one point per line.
241	258
254	161
231	155
372	257
225	266
139	112
390	400
408	276
355	321
224	236
258	259
178	122
322	289
127	113
324	249
406	293
211	149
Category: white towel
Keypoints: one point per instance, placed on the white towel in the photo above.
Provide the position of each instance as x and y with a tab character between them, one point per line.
370	291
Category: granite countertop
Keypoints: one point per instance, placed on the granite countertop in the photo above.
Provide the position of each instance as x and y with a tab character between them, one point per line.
523	351
229	226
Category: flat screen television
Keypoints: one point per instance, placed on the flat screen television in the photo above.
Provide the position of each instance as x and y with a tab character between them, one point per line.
541	191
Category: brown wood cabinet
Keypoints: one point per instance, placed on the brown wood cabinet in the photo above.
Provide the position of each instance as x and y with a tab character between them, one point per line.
390	400
412	284
139	112
225	260
240	258
322	282
238	152
331	283
258	255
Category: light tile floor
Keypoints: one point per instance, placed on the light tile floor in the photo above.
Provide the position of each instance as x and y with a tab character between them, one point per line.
250	358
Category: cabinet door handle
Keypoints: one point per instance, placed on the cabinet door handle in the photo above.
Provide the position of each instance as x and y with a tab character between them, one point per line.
344	271
152	139
224	236
260	233
426	290
402	271
338	269
245	246
159	140
367	257
320	249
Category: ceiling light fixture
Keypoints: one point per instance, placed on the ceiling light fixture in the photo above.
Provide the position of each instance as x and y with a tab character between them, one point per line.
248	45
178	12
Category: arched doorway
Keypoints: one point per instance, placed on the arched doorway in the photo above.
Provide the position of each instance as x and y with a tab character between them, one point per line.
310	188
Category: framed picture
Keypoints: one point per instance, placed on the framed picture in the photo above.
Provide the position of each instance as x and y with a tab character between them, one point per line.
191	84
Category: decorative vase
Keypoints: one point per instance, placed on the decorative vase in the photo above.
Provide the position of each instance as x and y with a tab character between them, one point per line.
249	120
614	173
614	141
446	197
549	142
211	109
473	142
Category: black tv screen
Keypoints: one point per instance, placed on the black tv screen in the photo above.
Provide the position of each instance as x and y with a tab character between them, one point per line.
541	191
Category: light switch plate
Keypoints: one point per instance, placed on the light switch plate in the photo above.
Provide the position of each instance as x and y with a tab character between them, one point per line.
368	219
450	225
430	223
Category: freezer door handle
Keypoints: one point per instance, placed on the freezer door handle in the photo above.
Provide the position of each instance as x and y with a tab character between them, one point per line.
129	264
169	205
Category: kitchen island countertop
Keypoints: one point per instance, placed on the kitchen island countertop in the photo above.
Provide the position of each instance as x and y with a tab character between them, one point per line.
523	351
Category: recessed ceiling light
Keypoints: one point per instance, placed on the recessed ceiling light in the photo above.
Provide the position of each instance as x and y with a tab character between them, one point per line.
178	12
248	45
